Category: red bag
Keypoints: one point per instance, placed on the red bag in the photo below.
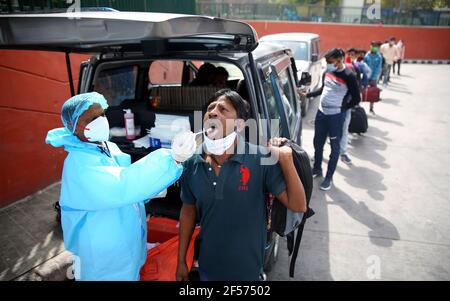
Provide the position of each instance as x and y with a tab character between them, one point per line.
161	229
161	263
371	94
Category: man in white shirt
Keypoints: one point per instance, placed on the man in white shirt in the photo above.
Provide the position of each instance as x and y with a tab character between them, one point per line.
399	57
389	52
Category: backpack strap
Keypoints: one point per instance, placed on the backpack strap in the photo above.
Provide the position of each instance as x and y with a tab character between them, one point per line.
294	238
290	239
295	246
298	239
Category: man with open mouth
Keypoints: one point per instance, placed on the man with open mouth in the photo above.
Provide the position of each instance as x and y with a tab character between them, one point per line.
224	187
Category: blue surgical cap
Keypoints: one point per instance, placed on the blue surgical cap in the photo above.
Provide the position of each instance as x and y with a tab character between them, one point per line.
75	106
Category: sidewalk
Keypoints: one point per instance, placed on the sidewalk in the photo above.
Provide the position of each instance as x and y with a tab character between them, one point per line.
387	216
31	244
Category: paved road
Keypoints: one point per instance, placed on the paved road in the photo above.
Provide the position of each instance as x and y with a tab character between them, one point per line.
29	234
388	215
386	218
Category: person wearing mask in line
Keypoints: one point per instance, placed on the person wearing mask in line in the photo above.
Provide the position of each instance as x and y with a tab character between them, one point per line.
362	79
389	52
399	57
339	92
374	60
365	68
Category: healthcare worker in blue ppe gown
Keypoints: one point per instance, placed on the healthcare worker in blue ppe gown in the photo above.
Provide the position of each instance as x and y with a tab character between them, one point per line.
103	194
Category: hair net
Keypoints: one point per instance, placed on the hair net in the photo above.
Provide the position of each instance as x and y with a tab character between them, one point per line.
75	106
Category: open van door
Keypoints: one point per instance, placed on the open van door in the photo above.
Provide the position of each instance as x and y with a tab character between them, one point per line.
121	31
118	32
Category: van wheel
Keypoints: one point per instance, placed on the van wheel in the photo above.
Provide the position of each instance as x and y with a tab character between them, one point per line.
273	256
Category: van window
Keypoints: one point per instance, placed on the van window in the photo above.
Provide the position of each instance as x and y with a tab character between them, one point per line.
165	72
217	74
299	49
117	84
233	71
272	107
289	99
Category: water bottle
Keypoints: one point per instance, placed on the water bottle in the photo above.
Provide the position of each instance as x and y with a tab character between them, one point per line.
129	124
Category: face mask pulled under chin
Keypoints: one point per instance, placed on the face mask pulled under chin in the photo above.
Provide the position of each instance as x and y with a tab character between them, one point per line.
97	130
219	146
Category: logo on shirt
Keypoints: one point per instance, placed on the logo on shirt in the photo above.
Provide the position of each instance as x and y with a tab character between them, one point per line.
245	176
333	80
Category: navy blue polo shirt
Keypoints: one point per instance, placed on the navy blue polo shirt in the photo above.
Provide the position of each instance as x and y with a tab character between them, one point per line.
232	210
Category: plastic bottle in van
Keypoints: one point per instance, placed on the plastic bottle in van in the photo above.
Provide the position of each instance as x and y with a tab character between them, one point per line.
129	124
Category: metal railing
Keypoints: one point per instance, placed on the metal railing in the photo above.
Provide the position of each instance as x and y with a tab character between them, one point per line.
37	6
248	11
316	13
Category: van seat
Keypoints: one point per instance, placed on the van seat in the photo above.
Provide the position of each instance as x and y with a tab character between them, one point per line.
183	98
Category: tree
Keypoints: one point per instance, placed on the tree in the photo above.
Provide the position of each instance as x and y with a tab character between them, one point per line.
308	2
404	4
415	4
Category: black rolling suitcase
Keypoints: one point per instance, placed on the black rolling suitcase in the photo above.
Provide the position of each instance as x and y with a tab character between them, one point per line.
358	122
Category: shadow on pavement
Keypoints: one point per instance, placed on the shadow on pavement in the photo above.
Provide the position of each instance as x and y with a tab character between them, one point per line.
391	101
406	75
399	90
368	147
366	179
30	234
379	226
377	133
384	119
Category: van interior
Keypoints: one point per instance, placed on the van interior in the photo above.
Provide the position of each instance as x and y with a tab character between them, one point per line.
163	96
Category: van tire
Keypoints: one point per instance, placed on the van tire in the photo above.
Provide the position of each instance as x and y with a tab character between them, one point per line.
304	106
273	256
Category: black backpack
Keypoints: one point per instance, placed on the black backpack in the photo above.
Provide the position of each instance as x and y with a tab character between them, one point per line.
356	71
358	122
286	222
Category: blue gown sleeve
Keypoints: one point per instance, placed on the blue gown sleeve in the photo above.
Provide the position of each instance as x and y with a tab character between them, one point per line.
107	187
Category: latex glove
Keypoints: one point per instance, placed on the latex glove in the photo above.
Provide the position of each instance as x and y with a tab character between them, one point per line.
183	146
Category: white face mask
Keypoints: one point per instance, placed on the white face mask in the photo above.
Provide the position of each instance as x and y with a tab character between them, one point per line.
219	146
97	130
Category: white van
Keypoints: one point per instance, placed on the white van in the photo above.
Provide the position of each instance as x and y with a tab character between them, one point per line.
306	50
